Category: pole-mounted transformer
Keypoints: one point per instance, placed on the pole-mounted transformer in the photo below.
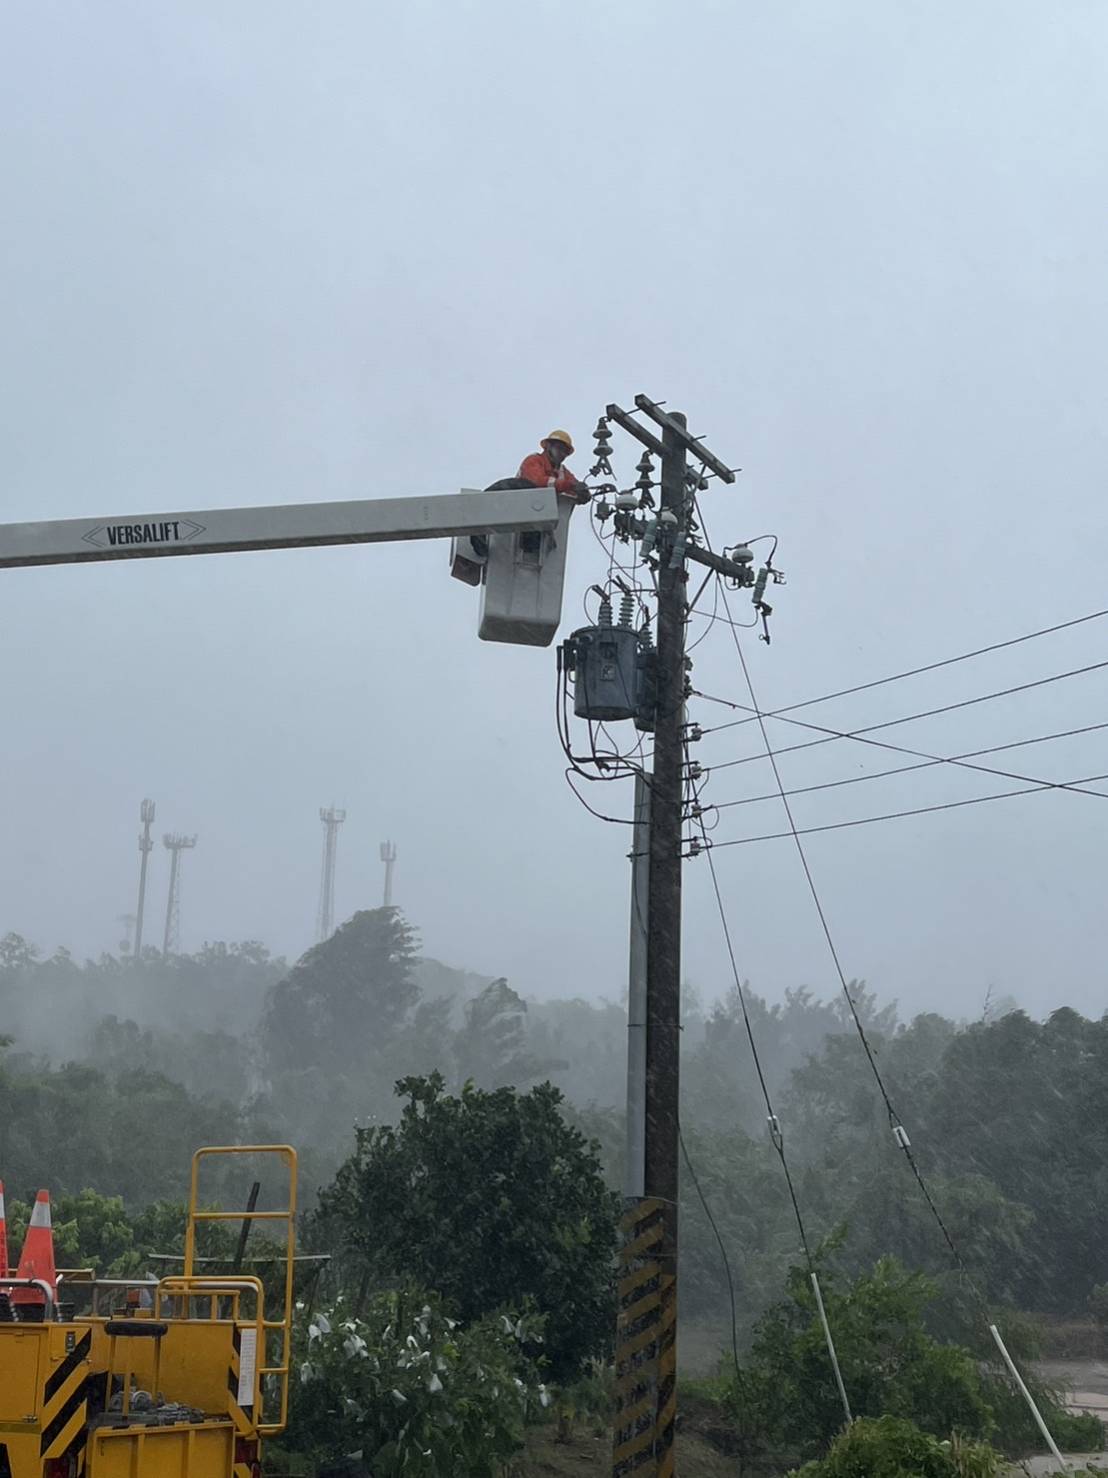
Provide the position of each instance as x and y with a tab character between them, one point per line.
613	667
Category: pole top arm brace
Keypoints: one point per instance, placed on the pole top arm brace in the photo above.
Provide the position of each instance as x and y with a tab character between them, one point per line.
692	443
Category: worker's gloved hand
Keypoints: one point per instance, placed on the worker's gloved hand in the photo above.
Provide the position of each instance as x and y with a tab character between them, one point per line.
580	493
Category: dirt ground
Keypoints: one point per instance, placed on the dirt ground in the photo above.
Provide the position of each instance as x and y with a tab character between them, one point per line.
587	1456
1085	1387
588	1453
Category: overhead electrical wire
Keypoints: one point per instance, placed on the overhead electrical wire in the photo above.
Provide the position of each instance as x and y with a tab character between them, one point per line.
776	1133
832	735
926	763
928	667
771	1117
702	1198
977	800
961	762
895	1123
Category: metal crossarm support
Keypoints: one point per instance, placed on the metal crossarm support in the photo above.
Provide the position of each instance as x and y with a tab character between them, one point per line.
693	444
294	526
632	427
732	569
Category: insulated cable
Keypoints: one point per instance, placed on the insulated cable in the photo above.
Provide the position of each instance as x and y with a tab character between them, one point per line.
929	667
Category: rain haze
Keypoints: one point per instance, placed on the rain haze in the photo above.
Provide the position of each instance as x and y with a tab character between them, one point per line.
272	253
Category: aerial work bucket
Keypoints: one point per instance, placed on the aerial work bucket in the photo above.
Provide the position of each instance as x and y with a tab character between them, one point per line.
521	594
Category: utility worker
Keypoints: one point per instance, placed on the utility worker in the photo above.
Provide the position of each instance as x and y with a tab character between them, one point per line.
545	469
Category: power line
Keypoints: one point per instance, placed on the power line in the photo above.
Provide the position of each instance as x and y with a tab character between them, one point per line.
771	1117
977	800
899	1132
831	736
778	1140
927	762
917	671
722	1252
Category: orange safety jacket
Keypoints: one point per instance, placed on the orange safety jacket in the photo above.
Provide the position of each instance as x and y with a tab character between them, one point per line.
540	470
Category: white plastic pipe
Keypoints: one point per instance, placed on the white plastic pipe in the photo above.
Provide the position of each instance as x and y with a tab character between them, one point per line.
1027	1396
831	1349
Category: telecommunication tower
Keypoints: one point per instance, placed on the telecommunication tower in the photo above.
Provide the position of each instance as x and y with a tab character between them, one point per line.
175	845
332	819
146	846
127	944
388	857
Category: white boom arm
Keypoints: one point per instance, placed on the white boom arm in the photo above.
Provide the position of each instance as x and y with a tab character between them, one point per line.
295	526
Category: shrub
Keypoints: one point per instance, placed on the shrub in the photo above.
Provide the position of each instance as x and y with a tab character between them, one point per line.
891	1447
406	1390
785	1399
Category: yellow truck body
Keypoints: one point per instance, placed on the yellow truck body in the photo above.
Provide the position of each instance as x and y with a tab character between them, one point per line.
187	1388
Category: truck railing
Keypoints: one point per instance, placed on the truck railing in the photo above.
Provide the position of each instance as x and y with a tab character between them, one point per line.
267	1371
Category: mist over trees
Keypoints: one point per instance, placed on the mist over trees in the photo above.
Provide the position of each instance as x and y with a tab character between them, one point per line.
114	1070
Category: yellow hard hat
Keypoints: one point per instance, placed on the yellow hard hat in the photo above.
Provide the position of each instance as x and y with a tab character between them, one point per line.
559	436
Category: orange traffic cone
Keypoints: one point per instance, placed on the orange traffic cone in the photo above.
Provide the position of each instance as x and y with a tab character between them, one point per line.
37	1257
3	1235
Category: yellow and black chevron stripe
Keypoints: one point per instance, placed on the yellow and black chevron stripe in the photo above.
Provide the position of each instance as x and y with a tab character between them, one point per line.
65	1406
666	1422
646	1347
242	1419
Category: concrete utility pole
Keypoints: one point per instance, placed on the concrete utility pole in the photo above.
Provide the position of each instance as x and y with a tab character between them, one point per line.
325	922
663	953
646	1339
388	857
146	846
175	845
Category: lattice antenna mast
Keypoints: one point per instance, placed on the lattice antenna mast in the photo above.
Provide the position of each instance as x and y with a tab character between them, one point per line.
388	857
127	944
146	846
175	845
332	819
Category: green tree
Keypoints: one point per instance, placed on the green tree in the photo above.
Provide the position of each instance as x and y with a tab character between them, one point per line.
346	1000
490	1198
16	953
491	1045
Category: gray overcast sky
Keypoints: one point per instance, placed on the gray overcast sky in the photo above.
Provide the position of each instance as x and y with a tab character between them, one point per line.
271	252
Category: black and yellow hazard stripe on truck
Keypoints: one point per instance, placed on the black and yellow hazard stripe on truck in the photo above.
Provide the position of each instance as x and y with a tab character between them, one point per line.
247	1448
241	1416
646	1348
64	1408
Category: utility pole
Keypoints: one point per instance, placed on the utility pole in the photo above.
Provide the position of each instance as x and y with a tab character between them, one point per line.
146	846
174	845
388	857
663	956
646	1338
663	924
325	923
